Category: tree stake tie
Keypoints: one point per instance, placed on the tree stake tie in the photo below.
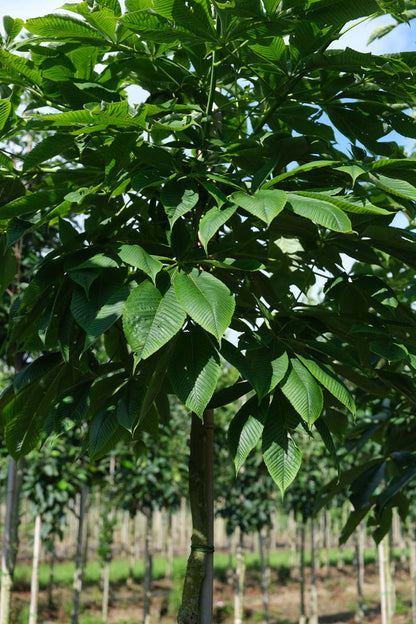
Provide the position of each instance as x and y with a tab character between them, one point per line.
202	548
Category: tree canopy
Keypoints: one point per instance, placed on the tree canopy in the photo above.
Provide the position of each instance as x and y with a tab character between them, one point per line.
216	204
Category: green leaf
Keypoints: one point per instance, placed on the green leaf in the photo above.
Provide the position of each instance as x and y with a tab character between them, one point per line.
178	198
265	205
12	27
303	392
245	430
194	370
280	453
391	350
24	417
62	27
355	171
104	21
31	203
103	307
345	203
206	299
20	65
320	211
104	433
97	261
326	437
298	171
8	265
230	394
395	186
5	110
48	148
136	256
128	407
272	52
35	371
329	380
150	320
211	223
263	369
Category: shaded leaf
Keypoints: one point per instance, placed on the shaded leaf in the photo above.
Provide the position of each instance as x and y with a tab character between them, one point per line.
150	320
194	370
280	453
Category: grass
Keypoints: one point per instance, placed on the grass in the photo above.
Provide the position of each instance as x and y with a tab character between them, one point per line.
119	568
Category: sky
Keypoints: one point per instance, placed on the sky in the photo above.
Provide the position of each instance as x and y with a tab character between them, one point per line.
401	38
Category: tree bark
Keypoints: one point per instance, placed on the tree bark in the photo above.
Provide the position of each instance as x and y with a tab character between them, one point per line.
51	575
197	597
34	585
326	539
11	538
386	585
147	581
264	578
169	548
302	615
79	555
132	549
313	619
358	575
239	580
106	568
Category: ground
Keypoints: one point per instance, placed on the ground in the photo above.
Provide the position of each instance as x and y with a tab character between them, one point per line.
336	591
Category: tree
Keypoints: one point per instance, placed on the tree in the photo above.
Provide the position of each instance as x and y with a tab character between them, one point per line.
248	504
204	207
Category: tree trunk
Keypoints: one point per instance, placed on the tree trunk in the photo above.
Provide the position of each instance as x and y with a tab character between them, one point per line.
79	555
197	597
239	580
148	553
11	538
132	549
169	548
314	590
361	537
264	578
326	540
292	528
34	585
109	525
302	615
386	585
51	576
105	576
412	544
359	616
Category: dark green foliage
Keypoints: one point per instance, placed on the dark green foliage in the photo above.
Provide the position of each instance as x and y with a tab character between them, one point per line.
217	203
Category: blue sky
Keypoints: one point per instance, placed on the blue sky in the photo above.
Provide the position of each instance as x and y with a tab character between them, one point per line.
401	38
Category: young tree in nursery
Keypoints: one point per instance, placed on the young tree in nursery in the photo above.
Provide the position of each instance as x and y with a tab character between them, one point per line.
191	226
247	501
147	479
50	486
302	499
